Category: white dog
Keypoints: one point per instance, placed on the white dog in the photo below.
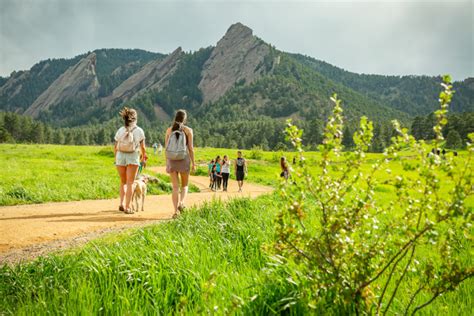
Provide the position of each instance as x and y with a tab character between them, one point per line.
139	190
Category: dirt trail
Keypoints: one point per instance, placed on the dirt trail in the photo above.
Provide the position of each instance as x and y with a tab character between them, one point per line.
28	231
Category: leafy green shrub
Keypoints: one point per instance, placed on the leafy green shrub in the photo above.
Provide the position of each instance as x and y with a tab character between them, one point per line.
345	251
20	193
256	153
106	152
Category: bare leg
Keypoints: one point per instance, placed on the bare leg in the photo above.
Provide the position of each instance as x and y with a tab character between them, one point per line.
143	198
131	174
184	187
122	170
175	193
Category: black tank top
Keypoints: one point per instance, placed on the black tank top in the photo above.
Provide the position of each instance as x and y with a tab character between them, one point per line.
240	164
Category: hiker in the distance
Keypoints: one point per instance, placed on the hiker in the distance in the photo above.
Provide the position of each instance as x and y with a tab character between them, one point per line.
179	156
155	148
240	169
285	169
225	171
219	173
209	173
129	152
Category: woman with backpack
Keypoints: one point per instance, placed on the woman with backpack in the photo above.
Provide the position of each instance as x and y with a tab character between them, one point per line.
129	144
219	173
225	172
179	156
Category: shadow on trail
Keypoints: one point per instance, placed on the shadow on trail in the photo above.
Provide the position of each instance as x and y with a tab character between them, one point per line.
57	215
102	219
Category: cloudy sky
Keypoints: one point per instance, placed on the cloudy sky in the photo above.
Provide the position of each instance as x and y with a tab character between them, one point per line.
382	37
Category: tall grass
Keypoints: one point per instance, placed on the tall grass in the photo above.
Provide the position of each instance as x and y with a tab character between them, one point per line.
209	261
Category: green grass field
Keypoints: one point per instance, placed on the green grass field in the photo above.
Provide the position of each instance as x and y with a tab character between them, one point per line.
53	173
211	260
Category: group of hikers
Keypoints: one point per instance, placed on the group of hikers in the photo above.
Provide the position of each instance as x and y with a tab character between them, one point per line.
219	172
130	154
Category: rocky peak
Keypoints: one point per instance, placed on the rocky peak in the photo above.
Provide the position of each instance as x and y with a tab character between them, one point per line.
78	81
151	76
237	57
238	30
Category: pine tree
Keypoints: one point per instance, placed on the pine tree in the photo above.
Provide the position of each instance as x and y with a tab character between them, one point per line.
347	140
453	140
5	137
11	123
59	137
101	137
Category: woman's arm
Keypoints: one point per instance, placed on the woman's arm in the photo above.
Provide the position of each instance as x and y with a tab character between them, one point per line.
143	152
167	136
191	148
115	152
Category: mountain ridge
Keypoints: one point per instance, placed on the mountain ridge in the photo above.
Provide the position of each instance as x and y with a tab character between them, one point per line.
241	79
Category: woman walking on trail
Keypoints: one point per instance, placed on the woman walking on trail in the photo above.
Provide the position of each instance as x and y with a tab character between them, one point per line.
285	170
219	172
225	173
179	156
214	177
209	173
129	141
240	169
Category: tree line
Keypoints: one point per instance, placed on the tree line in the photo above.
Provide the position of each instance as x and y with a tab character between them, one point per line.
261	131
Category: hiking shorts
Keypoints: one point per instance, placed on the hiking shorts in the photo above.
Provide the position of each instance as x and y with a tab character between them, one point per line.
125	159
240	175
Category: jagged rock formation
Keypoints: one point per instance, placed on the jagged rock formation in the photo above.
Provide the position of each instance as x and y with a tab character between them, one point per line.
237	58
78	81
13	85
152	76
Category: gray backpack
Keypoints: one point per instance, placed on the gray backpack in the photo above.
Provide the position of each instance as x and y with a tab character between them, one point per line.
176	148
126	143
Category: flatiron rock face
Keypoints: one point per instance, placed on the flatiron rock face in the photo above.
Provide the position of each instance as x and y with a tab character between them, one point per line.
237	58
152	76
77	82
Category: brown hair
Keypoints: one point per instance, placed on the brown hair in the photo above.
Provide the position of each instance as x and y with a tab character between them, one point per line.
128	115
179	120
283	163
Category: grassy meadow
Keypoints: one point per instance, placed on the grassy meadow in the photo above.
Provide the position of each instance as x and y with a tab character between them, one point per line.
212	260
53	173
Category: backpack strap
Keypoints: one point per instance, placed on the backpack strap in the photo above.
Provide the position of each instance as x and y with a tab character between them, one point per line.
131	130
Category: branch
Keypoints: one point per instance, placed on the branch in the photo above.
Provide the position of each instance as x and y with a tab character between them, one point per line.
301	252
412	299
395	257
400	280
438	293
379	303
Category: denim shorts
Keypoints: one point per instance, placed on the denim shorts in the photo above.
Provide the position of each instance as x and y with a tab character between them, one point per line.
125	159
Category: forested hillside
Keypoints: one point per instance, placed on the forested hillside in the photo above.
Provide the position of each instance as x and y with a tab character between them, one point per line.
415	95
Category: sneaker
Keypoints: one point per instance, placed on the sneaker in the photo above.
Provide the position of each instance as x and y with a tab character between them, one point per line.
181	208
175	215
128	211
121	209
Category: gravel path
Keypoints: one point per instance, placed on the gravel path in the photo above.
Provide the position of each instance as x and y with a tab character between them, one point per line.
29	231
